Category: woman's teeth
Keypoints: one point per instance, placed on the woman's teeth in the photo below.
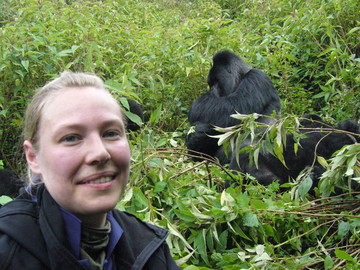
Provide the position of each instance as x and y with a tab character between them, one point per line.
101	180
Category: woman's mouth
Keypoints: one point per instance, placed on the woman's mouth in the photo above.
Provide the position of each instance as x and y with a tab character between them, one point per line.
101	180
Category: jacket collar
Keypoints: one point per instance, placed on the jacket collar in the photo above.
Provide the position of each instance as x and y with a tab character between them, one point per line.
52	227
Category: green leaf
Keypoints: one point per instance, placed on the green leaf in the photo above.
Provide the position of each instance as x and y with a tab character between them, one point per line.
155	115
354	30
198	214
160	186
128	195
188	70
133	117
139	198
65	52
322	161
328	263
25	64
156	162
243	201
305	186
183	260
162	142
250	220
256	157
258	204
224	238
200	245
344	228
342	255
235	227
185	215
193	267
136	81
5	199
117	87
174	231
124	102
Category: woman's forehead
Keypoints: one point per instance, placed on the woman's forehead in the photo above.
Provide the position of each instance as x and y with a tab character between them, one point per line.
83	102
81	95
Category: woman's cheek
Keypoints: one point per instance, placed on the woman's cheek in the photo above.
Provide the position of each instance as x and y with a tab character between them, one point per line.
122	156
68	156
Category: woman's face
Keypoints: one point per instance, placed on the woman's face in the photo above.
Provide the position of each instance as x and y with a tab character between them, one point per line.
83	156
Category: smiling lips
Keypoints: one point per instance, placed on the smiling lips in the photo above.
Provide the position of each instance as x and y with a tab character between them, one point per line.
99	179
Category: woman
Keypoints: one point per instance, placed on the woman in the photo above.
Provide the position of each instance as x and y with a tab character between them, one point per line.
77	152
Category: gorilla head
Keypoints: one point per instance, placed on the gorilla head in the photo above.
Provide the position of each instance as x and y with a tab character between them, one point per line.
226	73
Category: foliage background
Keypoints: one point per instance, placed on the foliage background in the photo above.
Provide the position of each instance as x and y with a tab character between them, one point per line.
160	52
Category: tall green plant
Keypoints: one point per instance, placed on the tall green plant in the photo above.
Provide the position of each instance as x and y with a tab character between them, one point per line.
310	48
111	38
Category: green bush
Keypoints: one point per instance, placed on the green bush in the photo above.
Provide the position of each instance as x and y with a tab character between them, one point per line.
160	52
149	49
310	49
259	228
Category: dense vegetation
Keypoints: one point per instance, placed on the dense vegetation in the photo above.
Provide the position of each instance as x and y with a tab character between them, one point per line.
159	52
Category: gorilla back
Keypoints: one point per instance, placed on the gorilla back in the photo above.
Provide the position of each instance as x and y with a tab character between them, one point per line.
321	140
234	87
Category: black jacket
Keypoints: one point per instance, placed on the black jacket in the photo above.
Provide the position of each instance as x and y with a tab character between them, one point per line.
33	237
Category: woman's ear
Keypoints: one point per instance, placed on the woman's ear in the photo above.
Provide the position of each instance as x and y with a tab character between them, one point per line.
31	157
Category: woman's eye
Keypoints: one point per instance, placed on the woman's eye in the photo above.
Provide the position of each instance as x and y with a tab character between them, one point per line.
70	139
112	134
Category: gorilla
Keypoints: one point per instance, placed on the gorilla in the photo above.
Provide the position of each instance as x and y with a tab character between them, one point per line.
134	108
234	87
10	184
316	141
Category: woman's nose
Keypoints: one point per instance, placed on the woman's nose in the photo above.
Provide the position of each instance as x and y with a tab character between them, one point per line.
97	152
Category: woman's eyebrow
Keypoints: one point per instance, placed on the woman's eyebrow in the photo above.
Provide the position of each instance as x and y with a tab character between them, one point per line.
79	126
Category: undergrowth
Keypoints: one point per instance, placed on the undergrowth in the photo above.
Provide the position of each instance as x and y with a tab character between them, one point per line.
159	52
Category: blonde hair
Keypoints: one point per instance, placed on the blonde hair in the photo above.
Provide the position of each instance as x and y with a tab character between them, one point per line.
34	109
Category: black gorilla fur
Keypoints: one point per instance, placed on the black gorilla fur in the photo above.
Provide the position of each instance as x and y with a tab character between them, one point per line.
323	143
10	184
134	108
234	87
